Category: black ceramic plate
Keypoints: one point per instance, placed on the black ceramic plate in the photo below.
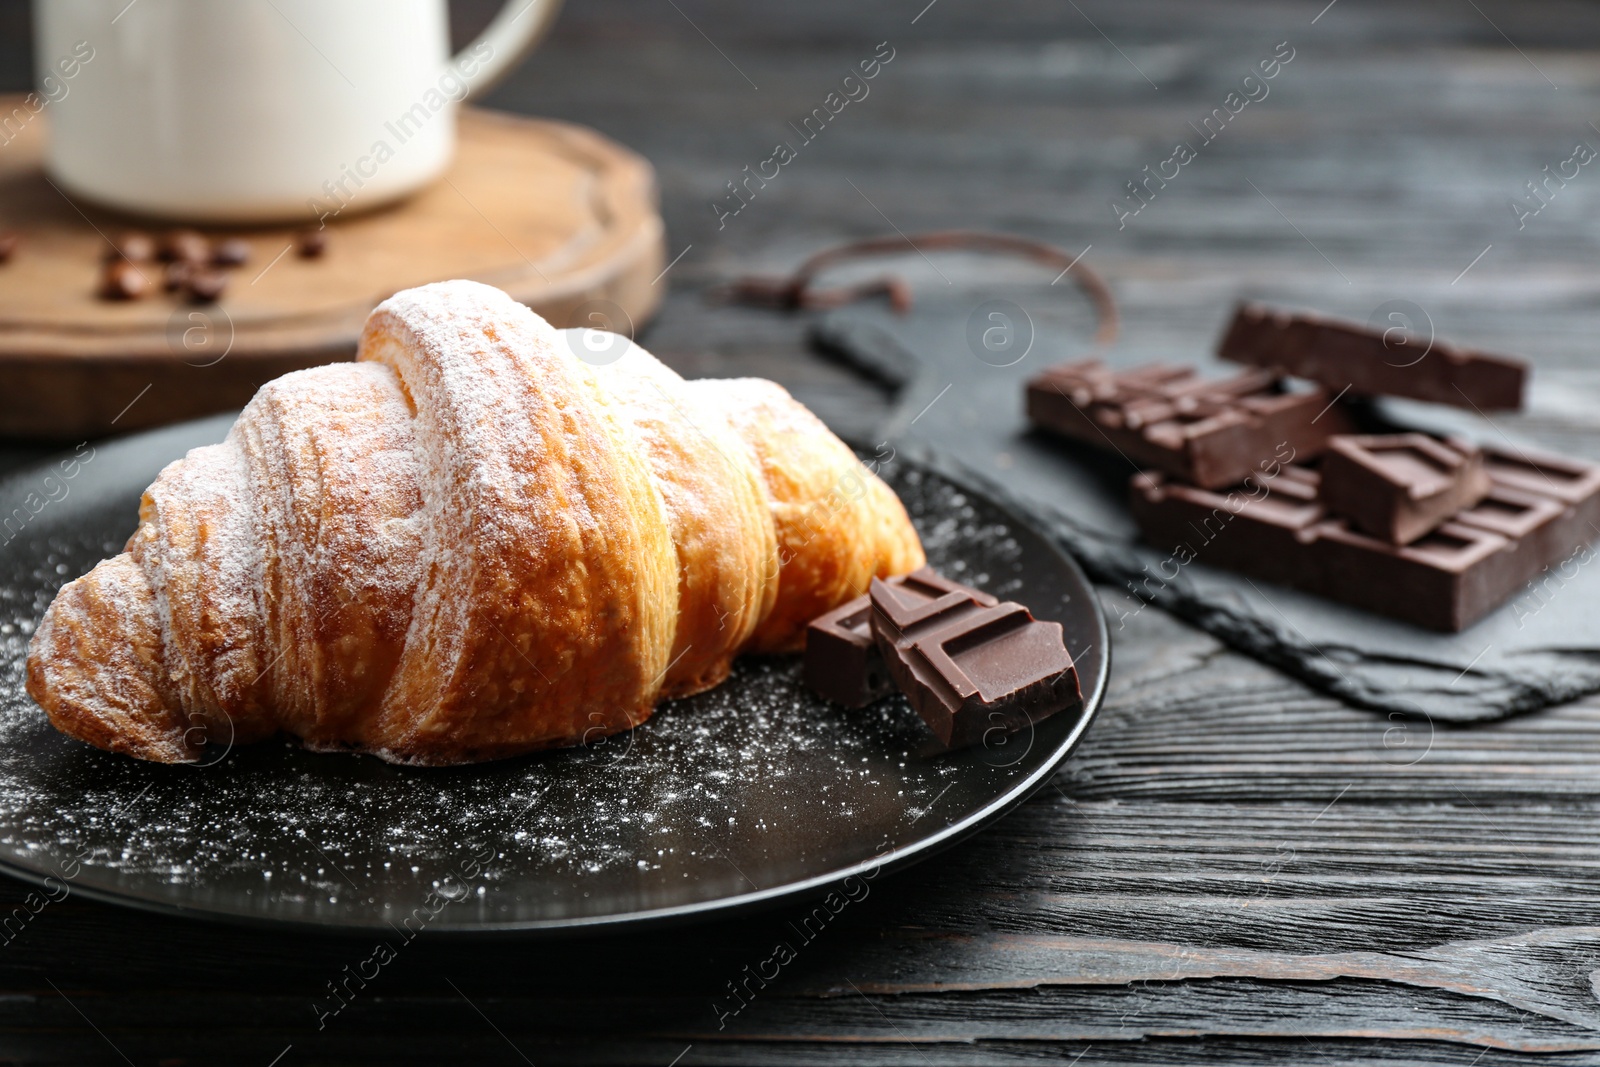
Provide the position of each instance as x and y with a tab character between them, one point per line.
753	792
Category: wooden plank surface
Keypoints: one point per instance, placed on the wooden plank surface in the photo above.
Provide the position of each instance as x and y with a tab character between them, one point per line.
1234	869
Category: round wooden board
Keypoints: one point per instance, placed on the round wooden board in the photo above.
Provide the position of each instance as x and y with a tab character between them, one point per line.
558	216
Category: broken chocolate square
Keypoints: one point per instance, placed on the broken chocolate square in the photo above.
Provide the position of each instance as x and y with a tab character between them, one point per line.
842	662
1398	487
1372	362
974	672
1211	432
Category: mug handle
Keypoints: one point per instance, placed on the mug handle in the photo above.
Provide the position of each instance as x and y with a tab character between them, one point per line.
513	33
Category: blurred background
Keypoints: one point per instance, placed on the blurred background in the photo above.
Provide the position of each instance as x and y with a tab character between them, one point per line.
1380	165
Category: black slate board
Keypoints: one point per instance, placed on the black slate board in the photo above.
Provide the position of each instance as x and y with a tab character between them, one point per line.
960	404
754	792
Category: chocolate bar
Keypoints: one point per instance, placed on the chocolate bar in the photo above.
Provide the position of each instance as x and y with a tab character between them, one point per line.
1371	362
1520	475
1281	531
1198	523
842	662
1574	482
1212	433
974	672
1397	487
1439	582
1540	525
1446	581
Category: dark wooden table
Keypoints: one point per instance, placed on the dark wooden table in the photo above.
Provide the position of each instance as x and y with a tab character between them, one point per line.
1234	868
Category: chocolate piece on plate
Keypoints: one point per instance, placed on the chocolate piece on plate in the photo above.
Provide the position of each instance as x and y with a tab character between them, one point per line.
1211	432
1372	362
973	671
1397	487
842	662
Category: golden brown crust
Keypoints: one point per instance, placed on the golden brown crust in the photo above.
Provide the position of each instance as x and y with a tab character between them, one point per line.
332	465
548	594
469	545
108	685
838	526
716	509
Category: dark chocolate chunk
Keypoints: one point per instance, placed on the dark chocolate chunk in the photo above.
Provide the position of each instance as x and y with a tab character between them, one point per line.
1518	516
190	246
1397	487
1276	515
973	672
1446	580
1213	433
842	662
1372	362
230	252
1519	476
121	280
9	240
1574	482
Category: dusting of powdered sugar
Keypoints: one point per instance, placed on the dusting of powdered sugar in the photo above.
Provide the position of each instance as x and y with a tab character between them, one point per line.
753	782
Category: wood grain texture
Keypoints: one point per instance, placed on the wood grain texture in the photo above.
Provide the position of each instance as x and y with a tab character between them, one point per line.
1234	869
551	212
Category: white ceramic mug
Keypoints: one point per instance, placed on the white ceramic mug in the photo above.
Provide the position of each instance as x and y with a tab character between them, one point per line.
260	110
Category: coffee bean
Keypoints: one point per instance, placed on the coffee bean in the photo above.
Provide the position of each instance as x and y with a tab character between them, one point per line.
176	276
133	246
230	252
9	239
313	243
121	280
186	245
205	285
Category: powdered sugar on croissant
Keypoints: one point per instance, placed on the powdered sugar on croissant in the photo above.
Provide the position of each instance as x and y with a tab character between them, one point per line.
466	545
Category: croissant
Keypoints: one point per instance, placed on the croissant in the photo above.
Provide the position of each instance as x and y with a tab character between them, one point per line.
468	544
